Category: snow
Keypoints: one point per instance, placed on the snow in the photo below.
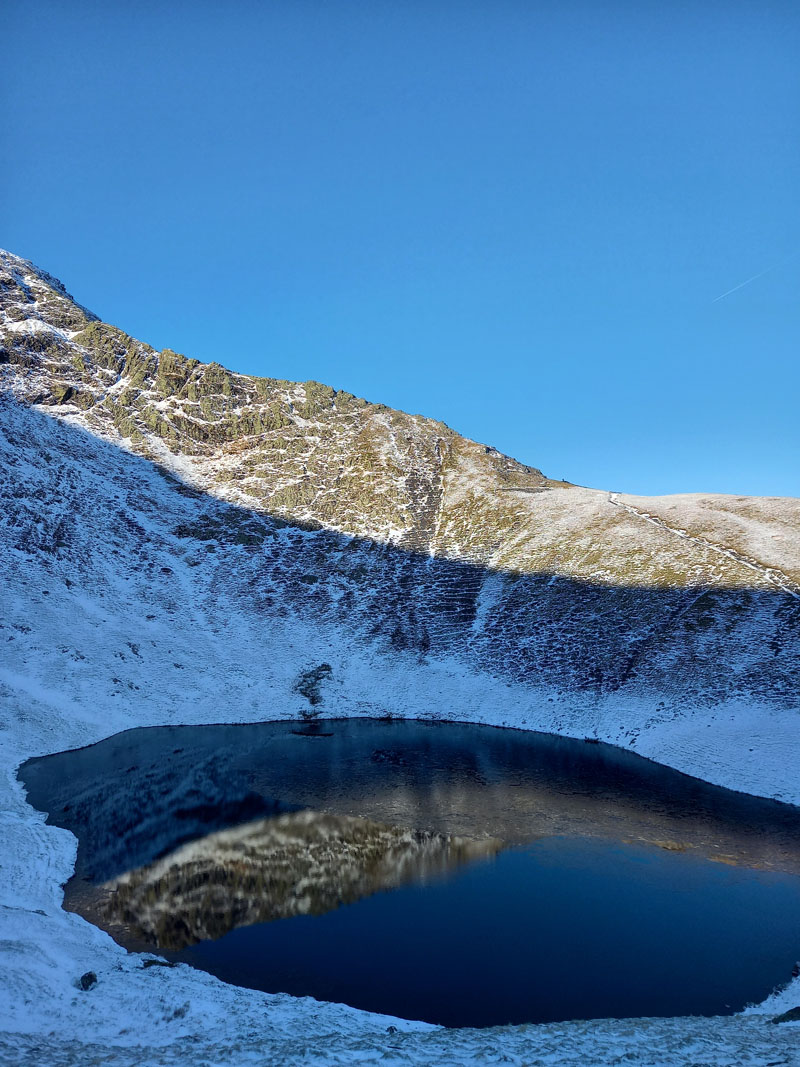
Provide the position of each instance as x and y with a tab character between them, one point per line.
165	1015
212	646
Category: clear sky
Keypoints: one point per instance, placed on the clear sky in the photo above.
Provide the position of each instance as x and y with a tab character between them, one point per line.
512	216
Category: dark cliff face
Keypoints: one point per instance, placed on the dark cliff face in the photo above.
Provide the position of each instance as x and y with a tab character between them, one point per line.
226	506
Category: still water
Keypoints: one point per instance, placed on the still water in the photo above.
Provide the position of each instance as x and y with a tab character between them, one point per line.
463	875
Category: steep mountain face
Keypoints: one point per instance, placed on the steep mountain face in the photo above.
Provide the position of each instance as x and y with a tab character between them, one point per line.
204	539
299	450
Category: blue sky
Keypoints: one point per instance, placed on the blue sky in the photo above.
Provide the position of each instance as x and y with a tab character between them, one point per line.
514	217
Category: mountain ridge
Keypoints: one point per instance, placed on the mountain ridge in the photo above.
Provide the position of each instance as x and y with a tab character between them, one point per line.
204	411
308	453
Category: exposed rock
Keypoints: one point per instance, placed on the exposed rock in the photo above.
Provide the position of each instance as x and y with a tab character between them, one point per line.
309	682
790	1016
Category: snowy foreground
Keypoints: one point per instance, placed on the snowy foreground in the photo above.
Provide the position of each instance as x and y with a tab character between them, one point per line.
158	1015
138	593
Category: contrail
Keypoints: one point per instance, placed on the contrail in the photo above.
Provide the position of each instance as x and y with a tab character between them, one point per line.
755	277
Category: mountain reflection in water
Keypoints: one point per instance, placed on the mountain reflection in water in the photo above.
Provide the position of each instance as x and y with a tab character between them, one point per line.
303	863
186	833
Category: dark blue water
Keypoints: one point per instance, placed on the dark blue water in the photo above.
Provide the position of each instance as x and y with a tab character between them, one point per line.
457	874
563	929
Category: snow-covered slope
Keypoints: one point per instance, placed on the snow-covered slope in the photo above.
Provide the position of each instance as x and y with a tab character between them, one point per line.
183	544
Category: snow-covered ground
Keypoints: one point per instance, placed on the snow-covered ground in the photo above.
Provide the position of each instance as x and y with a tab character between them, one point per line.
132	597
157	1015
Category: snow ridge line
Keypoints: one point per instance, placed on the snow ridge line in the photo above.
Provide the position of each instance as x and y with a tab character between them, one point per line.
771	574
